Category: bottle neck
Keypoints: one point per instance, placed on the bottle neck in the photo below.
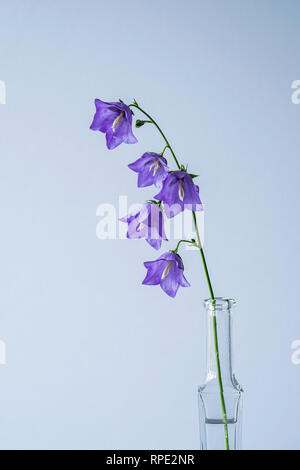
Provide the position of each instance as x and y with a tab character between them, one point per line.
219	324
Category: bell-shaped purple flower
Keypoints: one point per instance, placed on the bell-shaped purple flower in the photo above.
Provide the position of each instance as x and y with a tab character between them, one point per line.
146	222
178	193
115	120
167	271
152	169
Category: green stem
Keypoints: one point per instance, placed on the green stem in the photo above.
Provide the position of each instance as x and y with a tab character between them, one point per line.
160	131
220	381
215	329
182	241
215	333
165	148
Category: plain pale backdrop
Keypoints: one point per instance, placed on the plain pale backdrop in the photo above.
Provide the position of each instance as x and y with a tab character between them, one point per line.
94	359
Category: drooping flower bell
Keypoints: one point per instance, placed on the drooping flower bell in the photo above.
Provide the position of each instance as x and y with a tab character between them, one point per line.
152	169
178	193
115	120
166	271
146	222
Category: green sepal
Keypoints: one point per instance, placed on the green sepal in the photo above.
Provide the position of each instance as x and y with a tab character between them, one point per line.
154	201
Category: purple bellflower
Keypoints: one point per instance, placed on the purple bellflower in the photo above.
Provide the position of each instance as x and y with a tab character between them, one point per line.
152	169
146	222
115	120
178	193
167	271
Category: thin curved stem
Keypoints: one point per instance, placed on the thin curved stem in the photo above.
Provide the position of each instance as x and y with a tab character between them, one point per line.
163	151
182	241
160	131
215	329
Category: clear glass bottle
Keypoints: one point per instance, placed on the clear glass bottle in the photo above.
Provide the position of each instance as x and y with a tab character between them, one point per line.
220	413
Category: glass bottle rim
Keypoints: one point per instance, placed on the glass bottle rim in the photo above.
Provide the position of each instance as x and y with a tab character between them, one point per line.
219	303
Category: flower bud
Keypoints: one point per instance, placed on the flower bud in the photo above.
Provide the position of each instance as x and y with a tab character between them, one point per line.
139	123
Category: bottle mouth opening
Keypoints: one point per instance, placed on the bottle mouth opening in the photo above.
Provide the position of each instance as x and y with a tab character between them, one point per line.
219	303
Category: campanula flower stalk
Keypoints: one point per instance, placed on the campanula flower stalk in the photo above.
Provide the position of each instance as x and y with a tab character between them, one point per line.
177	192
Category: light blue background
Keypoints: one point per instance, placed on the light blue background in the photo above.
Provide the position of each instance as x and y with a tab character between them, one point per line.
94	359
